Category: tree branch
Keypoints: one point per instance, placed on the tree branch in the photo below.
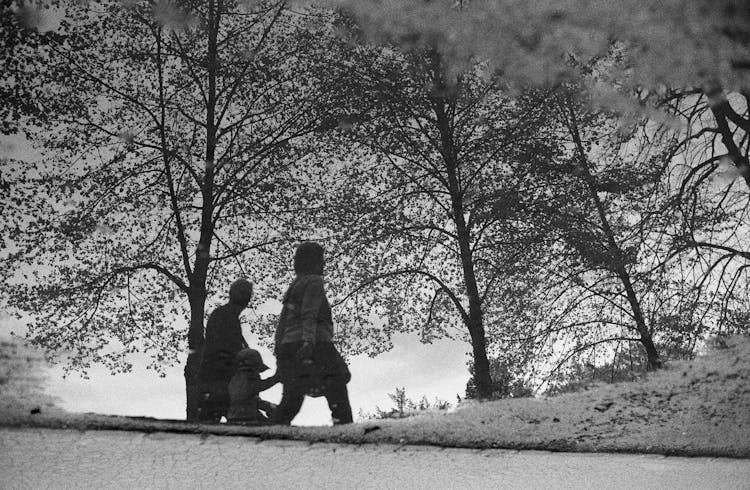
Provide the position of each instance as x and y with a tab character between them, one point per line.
432	277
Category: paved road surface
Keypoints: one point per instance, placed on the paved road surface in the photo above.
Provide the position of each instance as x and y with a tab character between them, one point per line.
47	458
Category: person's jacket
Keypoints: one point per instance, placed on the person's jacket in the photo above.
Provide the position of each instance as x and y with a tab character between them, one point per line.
306	313
244	388
223	341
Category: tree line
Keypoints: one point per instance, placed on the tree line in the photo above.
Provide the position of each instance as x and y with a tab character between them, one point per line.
528	179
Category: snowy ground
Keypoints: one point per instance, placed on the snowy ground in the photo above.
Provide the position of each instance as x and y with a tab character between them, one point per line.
49	458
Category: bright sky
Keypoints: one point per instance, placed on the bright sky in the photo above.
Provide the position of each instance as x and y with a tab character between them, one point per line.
437	369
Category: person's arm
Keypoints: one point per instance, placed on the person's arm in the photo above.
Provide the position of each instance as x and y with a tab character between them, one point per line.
312	300
209	337
280	327
263	384
209	332
243	342
283	318
234	339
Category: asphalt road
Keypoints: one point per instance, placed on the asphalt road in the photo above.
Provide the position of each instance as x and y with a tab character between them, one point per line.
51	458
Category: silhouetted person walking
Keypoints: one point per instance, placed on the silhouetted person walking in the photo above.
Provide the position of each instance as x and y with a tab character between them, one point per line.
306	358
222	343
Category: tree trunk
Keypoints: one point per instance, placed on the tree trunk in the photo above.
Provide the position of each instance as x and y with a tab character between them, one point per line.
615	253
197	300
652	355
474	322
203	251
482	378
192	386
616	256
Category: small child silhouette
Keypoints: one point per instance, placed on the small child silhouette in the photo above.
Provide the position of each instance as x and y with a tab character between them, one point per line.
244	389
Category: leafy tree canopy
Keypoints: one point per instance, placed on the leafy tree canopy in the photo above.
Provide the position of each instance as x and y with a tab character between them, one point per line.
174	138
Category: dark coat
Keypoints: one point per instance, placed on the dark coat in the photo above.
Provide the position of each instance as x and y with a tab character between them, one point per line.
312	376
306	313
223	341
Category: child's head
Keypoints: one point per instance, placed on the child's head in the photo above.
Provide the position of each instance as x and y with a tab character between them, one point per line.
251	360
241	292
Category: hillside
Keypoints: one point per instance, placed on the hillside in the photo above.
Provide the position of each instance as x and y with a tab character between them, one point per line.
701	407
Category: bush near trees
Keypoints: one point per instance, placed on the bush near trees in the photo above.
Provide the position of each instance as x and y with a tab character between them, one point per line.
403	407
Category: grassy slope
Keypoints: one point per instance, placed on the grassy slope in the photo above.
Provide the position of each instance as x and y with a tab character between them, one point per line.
700	407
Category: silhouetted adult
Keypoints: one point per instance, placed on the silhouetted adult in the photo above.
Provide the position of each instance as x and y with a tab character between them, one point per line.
306	359
223	341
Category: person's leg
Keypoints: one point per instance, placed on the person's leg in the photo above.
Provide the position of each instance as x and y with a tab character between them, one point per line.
209	414
335	375
206	413
338	401
291	402
293	393
214	402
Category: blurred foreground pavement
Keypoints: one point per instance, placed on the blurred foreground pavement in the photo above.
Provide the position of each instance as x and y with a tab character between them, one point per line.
59	458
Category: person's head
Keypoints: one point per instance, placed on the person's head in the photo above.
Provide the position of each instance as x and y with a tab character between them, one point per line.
250	360
309	258
241	292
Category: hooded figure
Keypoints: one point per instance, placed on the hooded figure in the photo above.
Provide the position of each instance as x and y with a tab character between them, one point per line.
307	360
223	341
245	387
